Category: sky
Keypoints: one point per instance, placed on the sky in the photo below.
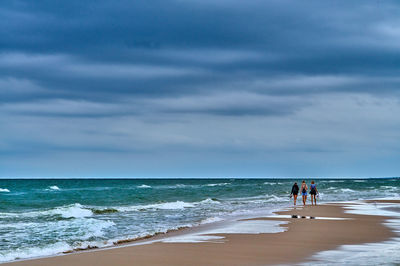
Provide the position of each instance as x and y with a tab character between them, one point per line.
190	88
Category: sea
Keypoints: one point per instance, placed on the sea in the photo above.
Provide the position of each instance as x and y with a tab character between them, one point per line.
45	217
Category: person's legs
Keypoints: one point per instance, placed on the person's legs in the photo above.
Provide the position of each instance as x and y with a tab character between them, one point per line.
312	199
294	199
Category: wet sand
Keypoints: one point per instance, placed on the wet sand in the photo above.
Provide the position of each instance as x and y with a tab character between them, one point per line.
303	238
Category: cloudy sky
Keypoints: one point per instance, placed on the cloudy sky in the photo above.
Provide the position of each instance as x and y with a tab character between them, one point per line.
199	88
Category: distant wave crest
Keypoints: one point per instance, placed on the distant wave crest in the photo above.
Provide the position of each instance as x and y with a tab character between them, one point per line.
144	186
218	184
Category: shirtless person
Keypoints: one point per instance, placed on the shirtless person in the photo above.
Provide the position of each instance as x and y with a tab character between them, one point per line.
303	190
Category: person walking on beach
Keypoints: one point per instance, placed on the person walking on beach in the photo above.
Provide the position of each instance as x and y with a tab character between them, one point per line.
295	191
303	190
313	193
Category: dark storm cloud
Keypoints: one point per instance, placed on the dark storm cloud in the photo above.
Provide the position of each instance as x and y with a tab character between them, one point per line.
97	50
245	76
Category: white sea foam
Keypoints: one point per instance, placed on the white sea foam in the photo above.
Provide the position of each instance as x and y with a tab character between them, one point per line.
177	205
359	181
385	253
382	253
218	184
262	198
4	190
72	211
382	209
179	186
77	210
54	188
250	227
84	229
68	211
35	252
274	198
347	190
192	238
144	186
173	205
389	187
94	227
211	220
273	183
235	227
175	186
208	200
14	226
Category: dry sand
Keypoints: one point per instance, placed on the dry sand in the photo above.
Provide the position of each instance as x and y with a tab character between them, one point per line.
303	238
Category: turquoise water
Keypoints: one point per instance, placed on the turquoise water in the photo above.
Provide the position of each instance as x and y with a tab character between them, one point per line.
46	217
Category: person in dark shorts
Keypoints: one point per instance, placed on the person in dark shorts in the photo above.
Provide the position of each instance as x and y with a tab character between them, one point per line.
313	193
295	191
303	190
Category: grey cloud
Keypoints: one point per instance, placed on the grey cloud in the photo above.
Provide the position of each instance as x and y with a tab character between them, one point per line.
273	84
231	104
60	65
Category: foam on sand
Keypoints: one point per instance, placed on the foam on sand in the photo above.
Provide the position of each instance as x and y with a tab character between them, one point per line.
192	238
382	253
211	220
233	227
35	252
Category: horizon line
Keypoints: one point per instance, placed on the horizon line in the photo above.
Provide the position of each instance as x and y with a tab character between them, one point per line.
203	177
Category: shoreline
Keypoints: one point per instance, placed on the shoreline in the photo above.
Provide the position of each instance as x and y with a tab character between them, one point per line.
297	244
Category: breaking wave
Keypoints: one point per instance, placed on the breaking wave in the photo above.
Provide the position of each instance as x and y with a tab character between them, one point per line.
144	186
218	184
347	190
177	205
69	211
273	183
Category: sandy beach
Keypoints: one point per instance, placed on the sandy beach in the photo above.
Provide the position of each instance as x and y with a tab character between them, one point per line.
303	238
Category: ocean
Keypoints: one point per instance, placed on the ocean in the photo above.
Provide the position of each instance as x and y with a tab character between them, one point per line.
42	217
